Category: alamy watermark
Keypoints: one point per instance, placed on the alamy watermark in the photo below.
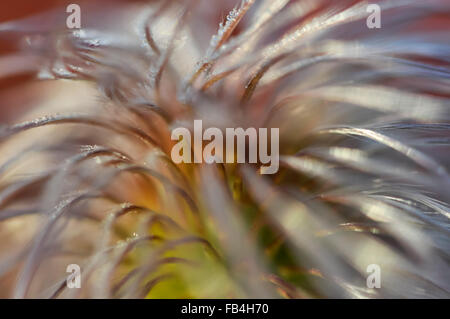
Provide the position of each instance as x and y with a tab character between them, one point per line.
220	150
374	279
74	279
374	19
73	21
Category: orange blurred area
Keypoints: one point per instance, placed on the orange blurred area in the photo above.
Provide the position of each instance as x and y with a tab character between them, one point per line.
17	90
20	8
